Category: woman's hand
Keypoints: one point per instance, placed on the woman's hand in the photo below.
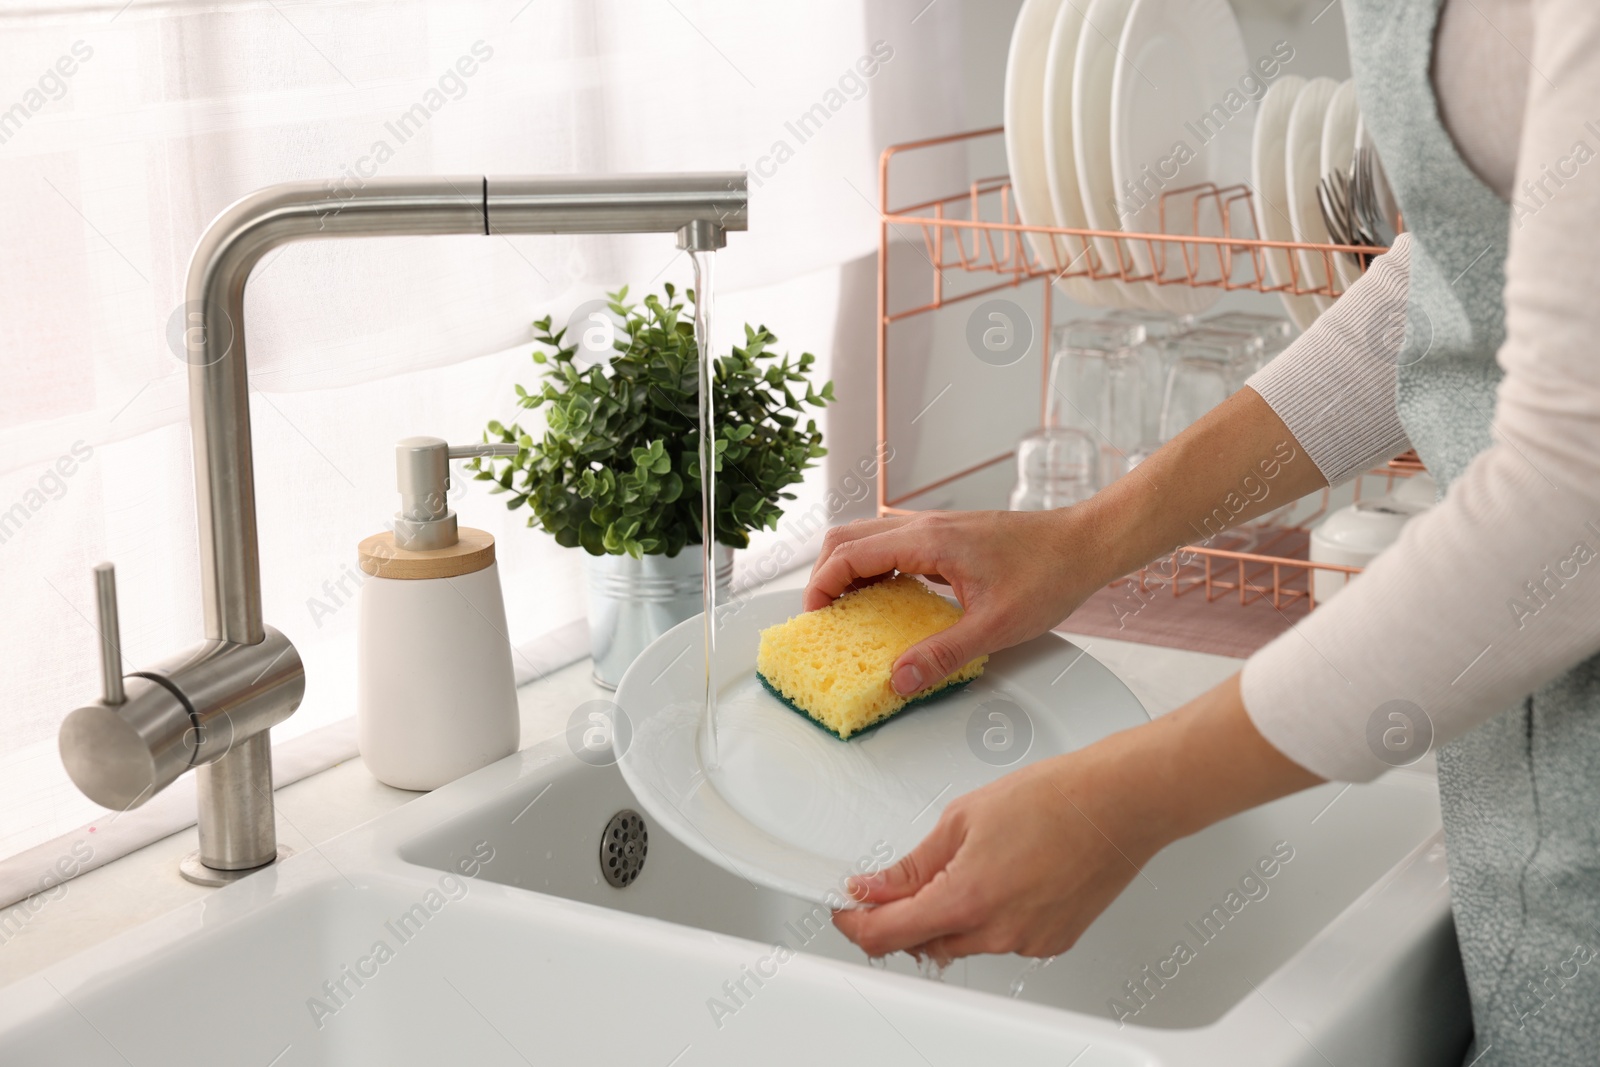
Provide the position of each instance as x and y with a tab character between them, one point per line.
1023	865
1026	863
1017	574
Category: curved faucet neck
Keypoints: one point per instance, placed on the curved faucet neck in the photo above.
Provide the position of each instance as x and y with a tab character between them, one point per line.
700	208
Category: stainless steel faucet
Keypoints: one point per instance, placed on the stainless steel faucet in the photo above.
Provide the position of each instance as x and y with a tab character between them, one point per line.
211	708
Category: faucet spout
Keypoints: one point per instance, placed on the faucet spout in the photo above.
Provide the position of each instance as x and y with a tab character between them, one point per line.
211	708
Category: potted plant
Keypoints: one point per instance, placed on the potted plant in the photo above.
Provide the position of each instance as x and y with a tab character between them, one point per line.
617	471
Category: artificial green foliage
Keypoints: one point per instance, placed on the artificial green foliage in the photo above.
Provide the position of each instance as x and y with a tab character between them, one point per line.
617	469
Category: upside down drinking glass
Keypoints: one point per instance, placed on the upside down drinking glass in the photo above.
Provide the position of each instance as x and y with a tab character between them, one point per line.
1056	466
1097	385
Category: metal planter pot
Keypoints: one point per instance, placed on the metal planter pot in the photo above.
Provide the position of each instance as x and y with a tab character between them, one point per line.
634	601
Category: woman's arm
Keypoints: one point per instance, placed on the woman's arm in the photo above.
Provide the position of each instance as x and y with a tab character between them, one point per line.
1020	573
1496	590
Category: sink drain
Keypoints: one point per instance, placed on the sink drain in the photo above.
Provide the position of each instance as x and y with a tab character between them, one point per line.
623	848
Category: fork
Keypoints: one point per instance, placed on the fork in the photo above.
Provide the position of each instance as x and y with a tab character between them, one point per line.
1337	199
1366	172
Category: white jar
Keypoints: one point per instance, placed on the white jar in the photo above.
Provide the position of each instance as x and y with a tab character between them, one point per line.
1353	536
435	693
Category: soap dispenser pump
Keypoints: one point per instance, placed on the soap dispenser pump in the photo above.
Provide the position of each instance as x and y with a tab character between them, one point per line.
435	695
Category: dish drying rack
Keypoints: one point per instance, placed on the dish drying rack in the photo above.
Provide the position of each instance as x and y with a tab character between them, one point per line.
1208	239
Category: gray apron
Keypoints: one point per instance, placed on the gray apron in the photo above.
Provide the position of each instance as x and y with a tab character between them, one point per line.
1521	793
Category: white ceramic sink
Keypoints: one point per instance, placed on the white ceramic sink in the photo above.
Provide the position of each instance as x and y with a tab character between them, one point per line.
518	952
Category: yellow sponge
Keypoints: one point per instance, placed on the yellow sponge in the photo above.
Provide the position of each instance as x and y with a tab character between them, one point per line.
834	664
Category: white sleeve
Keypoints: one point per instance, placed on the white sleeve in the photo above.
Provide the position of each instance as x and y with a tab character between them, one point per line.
1497	589
1334	387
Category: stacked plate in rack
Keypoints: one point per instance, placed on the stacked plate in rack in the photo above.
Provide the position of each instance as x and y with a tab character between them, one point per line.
1306	129
1120	116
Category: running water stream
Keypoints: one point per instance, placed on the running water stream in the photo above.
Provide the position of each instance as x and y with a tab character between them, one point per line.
708	486
1020	982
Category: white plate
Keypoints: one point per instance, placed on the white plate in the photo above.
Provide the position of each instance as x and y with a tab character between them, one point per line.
1066	198
1270	197
1302	171
793	808
1028	136
1093	67
1339	131
1177	60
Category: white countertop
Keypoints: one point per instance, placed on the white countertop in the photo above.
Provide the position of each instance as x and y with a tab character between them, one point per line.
144	884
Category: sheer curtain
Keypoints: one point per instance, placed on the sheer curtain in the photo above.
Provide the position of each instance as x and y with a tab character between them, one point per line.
124	128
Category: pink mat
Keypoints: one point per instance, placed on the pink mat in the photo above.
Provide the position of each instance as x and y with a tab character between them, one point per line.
1223	626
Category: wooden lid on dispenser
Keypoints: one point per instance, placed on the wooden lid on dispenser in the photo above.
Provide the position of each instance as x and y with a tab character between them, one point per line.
473	551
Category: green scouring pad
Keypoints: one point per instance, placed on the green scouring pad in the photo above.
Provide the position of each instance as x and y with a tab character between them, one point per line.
916	701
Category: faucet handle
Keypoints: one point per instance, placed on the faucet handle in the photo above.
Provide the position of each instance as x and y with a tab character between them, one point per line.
138	737
105	588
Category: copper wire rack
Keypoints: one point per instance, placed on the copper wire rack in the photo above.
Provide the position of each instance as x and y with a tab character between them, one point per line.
1207	238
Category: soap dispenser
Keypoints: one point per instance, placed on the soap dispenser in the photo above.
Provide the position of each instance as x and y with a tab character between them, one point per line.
435	694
